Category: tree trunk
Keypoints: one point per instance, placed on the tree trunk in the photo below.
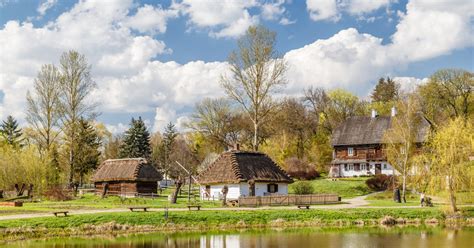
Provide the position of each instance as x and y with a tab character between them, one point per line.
71	169
178	185
452	197
255	136
404	187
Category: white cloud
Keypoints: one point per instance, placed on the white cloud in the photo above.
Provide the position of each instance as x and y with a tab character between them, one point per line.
236	28
117	129
163	116
45	6
272	10
357	7
285	21
149	19
322	10
409	84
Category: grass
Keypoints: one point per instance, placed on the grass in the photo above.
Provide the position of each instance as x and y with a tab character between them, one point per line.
385	198
344	187
216	218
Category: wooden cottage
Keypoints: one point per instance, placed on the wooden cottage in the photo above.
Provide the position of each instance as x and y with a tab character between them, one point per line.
359	148
245	174
126	177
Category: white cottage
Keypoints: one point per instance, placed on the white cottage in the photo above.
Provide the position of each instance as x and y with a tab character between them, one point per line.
245	174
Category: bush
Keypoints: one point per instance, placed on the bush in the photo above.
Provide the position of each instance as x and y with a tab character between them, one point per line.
300	169
57	194
303	188
381	182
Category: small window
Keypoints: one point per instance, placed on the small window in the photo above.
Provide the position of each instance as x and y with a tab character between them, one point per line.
385	166
357	167
351	167
272	188
350	151
362	167
346	167
368	166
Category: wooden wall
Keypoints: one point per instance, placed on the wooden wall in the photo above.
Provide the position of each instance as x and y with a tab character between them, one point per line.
127	187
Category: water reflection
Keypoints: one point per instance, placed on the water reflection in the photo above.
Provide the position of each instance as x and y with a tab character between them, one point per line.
348	238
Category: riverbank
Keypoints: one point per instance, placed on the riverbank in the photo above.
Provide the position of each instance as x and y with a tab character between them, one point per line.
178	221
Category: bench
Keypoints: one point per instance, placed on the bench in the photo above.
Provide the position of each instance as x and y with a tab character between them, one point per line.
303	206
135	208
61	212
198	207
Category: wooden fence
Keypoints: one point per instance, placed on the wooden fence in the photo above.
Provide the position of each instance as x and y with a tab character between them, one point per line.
286	200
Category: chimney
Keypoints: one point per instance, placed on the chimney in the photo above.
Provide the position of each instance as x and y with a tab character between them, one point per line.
394	112
237	147
374	113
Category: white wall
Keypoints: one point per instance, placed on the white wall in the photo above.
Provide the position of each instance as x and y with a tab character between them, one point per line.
242	189
386	169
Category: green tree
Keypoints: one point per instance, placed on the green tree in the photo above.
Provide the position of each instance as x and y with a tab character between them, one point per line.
257	72
448	94
136	141
166	148
88	143
342	105
10	132
451	168
386	90
76	84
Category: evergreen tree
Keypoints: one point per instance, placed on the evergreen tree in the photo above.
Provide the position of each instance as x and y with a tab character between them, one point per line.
136	141
386	90
87	150
166	147
10	132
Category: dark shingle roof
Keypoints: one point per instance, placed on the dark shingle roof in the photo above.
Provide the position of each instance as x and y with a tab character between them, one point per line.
363	130
129	169
242	166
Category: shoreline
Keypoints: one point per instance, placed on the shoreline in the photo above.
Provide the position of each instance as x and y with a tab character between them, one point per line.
131	223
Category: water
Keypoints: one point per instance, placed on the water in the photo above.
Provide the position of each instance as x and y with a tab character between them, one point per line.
355	237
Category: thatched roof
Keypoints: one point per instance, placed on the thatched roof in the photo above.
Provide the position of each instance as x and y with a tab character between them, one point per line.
241	166
128	169
363	130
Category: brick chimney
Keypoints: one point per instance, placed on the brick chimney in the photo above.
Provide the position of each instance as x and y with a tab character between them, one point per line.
374	113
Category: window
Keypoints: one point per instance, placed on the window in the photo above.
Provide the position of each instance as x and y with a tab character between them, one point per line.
362	167
272	188
385	166
346	167
357	167
350	151
368	167
351	167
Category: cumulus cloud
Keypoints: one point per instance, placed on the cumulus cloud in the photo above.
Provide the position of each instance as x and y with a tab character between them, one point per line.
149	19
409	84
45	6
272	10
322	10
331	10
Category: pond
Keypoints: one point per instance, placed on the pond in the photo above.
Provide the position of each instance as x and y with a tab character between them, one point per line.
303	237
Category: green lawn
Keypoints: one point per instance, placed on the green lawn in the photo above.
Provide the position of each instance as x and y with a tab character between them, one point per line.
344	187
386	199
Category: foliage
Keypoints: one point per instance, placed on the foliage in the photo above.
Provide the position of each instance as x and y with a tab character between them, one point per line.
385	90
300	169
257	72
381	182
136	141
342	105
112	147
87	151
24	166
449	93
165	149
57	193
43	111
302	188
451	167
10	132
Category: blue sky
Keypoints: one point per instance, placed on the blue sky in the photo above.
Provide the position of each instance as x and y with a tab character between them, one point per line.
158	58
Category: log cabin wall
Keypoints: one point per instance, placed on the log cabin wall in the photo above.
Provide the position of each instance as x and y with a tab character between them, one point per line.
127	187
372	152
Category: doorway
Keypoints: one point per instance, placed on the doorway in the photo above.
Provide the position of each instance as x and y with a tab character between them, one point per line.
378	169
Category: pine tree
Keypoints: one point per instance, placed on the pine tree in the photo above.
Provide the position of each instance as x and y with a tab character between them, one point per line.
386	90
87	151
136	142
10	132
166	147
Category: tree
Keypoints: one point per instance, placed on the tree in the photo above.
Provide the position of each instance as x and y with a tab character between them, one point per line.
257	72
342	105
75	85
450	166
216	119
10	132
448	94
43	106
166	148
385	91
112	147
136	141
318	101
402	138
88	143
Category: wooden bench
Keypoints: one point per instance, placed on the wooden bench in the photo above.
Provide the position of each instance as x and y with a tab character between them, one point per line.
197	207
303	206
134	208
61	212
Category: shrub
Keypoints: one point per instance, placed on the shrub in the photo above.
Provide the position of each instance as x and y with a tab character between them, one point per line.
57	194
300	169
381	182
303	188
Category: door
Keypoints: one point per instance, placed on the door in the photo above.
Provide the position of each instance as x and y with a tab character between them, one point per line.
251	189
378	169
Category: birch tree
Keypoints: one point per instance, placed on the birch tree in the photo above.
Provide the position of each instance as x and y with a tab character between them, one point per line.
43	107
257	72
75	84
402	138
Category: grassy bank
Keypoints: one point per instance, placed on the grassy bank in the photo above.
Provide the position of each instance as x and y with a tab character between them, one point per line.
344	187
211	220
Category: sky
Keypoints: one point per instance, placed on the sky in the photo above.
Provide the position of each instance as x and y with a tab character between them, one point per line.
157	59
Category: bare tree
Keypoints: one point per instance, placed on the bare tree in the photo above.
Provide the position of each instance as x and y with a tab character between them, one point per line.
76	84
43	107
257	72
318	101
